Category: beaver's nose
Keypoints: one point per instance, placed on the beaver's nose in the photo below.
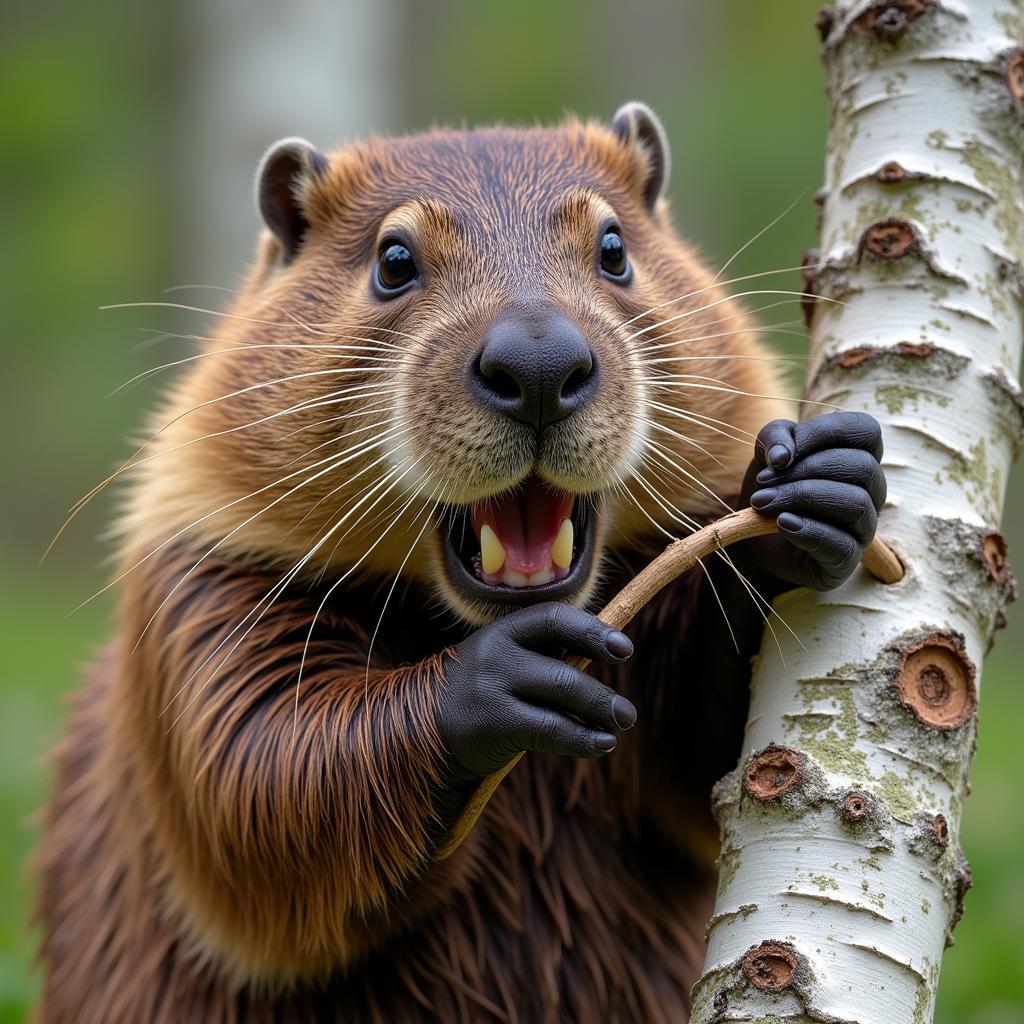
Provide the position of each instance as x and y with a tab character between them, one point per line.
537	371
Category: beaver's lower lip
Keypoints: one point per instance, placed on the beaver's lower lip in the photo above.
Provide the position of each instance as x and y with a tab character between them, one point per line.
461	528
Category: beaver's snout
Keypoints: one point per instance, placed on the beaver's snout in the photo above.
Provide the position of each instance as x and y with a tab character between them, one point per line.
537	370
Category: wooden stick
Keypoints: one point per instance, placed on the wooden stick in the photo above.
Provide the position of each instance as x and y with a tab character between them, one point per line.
681	555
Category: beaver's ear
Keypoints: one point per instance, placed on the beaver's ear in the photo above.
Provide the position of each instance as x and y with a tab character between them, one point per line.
637	125
286	168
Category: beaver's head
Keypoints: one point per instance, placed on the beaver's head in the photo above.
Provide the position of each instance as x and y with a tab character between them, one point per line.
480	358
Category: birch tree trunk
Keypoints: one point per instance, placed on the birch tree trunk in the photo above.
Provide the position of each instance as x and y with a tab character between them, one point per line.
841	873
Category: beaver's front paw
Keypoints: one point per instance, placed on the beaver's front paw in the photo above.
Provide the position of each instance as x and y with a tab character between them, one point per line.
507	689
823	483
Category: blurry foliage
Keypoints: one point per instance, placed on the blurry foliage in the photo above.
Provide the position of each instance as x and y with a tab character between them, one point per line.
90	178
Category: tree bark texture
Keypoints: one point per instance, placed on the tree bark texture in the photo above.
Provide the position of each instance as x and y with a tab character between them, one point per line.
841	871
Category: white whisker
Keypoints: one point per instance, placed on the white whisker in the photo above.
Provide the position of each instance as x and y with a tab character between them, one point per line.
669	454
715	285
275	591
290	315
746	245
683	380
310	329
674	342
398	575
704	422
308	347
720	301
133	461
333	460
648	344
337	583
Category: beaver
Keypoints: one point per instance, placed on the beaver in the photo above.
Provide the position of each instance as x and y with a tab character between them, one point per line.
470	384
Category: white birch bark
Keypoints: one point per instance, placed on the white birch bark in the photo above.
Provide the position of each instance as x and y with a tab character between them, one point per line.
841	873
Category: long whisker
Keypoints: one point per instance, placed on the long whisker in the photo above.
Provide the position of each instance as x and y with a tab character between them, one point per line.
276	591
330	494
365	523
746	245
688	441
333	462
307	347
227	536
762	604
692	524
674	342
670	454
289	314
398	575
377	425
382	513
724	299
693	381
648	344
675	514
721	606
351	392
622	489
249	388
669	381
704	421
309	328
334	344
316	425
133	461
728	358
707	288
354	393
337	583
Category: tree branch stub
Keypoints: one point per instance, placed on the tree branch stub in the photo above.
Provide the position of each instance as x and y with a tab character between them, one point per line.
771	966
773	772
994	554
936	681
889	239
888	20
855	806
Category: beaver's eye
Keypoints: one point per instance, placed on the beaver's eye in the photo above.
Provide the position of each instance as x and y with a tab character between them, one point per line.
613	254
395	267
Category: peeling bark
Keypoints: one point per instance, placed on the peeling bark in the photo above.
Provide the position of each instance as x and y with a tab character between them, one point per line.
841	875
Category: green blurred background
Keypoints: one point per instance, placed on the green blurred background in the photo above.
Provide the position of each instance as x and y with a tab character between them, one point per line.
128	138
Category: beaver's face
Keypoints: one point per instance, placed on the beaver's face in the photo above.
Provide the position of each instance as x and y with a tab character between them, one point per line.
523	389
538	367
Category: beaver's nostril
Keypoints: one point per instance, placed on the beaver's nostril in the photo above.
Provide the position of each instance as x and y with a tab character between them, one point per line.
576	381
503	384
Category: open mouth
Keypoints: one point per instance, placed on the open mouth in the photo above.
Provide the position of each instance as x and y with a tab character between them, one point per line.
531	543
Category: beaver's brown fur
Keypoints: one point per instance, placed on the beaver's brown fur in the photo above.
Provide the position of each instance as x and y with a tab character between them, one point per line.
225	844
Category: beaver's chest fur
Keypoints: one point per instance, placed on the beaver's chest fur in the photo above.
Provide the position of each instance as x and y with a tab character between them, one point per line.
581	896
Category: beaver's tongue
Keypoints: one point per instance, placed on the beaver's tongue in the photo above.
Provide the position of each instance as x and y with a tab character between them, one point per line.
526	535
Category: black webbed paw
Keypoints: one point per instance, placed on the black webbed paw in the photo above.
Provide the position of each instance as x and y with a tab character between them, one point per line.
823	482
